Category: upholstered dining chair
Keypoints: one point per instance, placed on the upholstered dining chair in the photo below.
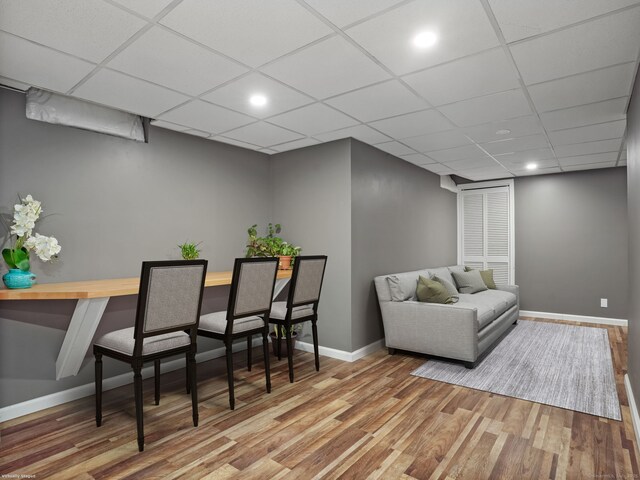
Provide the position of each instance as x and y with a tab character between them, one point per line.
166	323
301	305
250	299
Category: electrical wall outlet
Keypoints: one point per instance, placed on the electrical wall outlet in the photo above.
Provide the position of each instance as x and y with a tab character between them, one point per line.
604	303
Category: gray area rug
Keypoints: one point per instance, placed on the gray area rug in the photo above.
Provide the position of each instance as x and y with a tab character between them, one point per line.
560	365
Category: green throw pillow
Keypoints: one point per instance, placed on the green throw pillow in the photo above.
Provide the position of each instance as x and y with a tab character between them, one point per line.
432	291
487	277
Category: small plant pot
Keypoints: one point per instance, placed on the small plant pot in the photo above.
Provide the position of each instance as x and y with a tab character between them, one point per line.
283	343
285	262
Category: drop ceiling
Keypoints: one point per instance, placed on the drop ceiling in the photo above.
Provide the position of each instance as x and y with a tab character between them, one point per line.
554	76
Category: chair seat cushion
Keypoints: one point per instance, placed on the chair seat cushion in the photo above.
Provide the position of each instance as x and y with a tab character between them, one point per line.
122	341
216	322
279	310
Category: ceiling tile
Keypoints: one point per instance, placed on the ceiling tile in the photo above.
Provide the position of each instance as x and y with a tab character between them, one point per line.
313	119
591	133
328	68
418	159
539	171
116	90
596	44
91	29
169	125
437	141
481	162
148	8
438	168
197	133
236	95
490	108
204	116
303	142
237	143
394	148
169	60
485	173
359	132
581	89
342	13
523	19
516	144
413	124
586	148
458	153
518	127
22	61
391	98
263	134
461	25
519	167
481	74
606	111
252	31
584	159
526	156
589	166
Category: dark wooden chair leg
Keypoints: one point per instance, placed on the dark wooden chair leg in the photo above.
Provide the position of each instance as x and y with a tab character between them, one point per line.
289	352
156	377
137	388
188	370
229	355
265	350
98	380
191	374
249	352
314	328
278	343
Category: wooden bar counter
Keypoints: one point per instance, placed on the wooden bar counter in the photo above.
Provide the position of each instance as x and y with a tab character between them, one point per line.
93	296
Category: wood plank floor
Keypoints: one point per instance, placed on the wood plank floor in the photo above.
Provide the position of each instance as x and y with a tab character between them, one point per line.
367	419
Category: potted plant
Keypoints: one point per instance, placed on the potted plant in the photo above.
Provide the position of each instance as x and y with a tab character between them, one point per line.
279	335
189	250
16	256
271	245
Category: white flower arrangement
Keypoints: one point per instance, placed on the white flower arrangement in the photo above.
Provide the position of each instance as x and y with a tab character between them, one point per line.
25	216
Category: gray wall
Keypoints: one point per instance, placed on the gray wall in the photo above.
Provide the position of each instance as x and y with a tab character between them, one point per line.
633	177
401	220
115	203
311	199
571	242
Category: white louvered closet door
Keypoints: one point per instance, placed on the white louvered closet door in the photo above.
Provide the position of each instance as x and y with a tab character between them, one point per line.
486	231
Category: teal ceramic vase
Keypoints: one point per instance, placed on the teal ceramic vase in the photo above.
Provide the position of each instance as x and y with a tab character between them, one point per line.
16	278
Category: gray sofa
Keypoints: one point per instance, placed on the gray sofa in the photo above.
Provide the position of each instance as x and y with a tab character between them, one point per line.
461	331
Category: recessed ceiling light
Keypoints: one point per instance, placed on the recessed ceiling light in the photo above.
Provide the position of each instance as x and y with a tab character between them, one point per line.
258	100
504	131
532	166
425	39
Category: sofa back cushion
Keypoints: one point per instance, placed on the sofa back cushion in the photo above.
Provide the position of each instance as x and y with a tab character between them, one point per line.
469	282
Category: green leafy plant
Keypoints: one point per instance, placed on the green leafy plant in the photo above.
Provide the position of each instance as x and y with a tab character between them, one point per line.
189	250
271	245
281	331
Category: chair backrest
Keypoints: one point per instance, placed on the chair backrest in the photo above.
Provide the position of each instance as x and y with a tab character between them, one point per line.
251	287
306	281
169	298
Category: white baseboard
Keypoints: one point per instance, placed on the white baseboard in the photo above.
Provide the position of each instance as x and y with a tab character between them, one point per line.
342	354
575	318
635	418
58	398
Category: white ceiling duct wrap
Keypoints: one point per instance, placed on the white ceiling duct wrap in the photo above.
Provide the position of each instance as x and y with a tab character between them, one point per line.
62	110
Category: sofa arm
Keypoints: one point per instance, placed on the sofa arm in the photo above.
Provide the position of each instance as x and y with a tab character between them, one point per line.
515	289
444	330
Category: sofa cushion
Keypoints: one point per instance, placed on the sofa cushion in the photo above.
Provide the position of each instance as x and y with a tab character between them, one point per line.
444	274
469	282
451	288
486	314
457	268
496	296
432	291
487	276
